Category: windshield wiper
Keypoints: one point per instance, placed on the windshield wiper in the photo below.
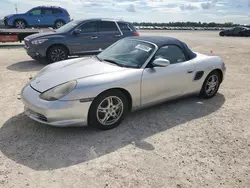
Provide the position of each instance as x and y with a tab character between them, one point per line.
98	58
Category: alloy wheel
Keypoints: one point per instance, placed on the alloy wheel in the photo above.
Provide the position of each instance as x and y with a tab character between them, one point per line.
212	85
59	24
110	110
20	25
58	55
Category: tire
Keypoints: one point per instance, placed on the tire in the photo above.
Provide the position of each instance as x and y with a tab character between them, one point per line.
20	24
58	24
57	53
222	34
205	90
101	108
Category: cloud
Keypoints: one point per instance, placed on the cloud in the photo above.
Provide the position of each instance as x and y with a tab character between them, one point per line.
188	7
209	5
238	6
131	8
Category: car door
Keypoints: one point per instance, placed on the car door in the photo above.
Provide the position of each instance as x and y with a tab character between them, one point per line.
108	33
47	17
86	41
35	17
159	83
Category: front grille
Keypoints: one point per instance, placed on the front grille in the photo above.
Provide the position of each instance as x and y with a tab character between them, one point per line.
36	115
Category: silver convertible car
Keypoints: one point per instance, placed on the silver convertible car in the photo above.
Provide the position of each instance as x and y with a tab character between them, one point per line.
133	73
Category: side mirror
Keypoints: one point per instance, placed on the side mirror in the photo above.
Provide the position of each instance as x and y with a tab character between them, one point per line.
76	31
160	62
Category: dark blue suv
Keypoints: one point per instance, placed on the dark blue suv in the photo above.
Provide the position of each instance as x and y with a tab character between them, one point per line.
43	16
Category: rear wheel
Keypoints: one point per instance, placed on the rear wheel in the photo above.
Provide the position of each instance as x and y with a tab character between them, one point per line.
108	110
57	53
20	24
211	85
59	24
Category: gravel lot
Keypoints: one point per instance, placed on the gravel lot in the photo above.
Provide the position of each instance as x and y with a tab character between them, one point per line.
185	143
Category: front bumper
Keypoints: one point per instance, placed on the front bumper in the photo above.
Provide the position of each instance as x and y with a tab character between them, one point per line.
6	22
35	52
56	113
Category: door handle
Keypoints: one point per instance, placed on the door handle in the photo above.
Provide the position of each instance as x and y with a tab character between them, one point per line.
117	35
94	37
190	71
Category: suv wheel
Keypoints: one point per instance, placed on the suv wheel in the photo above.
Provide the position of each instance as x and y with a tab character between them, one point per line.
57	53
20	24
59	24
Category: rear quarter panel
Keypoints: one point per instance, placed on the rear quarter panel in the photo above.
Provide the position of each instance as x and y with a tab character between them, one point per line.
207	64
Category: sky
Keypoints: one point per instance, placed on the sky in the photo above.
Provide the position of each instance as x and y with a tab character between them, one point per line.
237	11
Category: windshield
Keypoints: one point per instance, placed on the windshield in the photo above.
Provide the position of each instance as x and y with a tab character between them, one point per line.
127	53
67	27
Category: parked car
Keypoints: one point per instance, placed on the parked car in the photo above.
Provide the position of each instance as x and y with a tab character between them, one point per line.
78	38
245	33
133	73
233	31
42	16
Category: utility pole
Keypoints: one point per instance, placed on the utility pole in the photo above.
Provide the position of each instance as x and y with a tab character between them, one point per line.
16	8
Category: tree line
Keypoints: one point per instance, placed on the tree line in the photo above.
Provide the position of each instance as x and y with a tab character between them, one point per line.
186	24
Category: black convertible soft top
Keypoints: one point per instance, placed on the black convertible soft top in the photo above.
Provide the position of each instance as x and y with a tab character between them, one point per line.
163	41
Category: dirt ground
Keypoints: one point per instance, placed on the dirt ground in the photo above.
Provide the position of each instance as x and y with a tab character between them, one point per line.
180	144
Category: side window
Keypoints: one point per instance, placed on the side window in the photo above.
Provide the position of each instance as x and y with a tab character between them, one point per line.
57	11
89	27
172	53
237	29
124	27
36	12
105	26
47	11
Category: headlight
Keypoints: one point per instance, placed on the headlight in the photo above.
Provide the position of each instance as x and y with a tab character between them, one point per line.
59	91
38	41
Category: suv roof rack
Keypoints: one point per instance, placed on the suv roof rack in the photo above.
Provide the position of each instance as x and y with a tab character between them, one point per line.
44	6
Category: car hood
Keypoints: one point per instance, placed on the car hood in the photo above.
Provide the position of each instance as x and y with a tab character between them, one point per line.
41	35
10	15
64	71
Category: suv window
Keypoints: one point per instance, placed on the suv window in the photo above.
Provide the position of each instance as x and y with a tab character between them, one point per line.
47	11
36	12
57	11
107	26
172	53
124	27
88	27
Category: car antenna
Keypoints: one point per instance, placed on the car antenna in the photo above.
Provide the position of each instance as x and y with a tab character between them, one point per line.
16	8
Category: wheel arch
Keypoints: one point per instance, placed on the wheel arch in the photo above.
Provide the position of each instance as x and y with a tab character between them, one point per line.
59	20
123	91
220	73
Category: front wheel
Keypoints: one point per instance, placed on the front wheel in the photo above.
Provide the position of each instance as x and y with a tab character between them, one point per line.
57	53
20	24
108	110
211	85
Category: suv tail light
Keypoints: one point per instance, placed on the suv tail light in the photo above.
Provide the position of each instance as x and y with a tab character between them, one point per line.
68	15
136	34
